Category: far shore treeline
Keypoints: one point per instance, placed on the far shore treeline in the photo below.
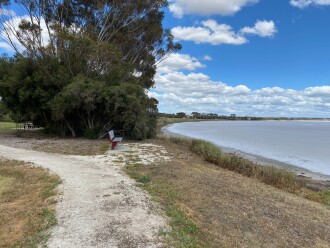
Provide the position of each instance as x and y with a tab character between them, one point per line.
213	116
84	67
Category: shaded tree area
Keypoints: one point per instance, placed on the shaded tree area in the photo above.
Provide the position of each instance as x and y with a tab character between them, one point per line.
86	66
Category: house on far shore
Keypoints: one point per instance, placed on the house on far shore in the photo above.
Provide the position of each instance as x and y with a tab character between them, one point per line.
233	117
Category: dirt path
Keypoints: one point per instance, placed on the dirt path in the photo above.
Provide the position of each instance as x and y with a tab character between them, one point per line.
99	205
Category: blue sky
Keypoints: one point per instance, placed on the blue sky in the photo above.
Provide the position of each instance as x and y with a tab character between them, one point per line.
248	57
285	70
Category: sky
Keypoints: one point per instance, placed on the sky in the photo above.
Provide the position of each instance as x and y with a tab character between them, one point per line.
246	57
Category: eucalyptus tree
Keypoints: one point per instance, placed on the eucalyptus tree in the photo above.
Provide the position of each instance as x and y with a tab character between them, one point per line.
91	62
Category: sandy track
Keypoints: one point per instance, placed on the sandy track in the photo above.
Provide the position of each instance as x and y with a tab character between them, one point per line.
99	205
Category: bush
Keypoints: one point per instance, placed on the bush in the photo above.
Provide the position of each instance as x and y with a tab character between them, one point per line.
91	133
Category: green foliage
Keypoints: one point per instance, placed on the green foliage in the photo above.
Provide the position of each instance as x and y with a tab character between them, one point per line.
4	112
94	73
91	133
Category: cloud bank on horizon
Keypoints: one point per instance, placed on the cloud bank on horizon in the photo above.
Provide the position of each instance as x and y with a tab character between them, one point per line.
191	91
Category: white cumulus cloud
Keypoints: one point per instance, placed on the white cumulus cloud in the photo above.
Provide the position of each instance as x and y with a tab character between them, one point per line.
207	58
214	33
318	91
305	3
261	28
179	8
176	61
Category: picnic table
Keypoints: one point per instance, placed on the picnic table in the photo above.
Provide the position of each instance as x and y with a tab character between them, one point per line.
28	125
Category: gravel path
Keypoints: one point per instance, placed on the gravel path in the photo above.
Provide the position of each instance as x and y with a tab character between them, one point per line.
99	205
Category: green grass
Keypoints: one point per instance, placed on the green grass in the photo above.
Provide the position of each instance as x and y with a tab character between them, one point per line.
7	126
183	231
50	183
325	197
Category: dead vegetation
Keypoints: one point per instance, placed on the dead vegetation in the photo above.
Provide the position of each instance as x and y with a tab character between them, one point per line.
26	204
213	207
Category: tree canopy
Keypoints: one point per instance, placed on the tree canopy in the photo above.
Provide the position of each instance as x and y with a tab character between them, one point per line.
85	66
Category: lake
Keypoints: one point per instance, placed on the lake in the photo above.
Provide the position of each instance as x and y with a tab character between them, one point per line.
305	144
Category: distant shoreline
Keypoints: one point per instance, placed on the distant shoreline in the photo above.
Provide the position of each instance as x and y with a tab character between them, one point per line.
299	171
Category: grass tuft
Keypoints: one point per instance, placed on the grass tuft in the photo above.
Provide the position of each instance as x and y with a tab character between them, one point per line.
325	197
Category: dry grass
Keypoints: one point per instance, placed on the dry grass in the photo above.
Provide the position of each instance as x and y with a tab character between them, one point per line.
279	178
221	208
36	140
26	204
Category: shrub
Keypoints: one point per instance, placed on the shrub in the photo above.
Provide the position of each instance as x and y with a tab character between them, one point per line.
91	133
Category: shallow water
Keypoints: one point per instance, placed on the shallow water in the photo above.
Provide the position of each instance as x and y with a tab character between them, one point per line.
305	144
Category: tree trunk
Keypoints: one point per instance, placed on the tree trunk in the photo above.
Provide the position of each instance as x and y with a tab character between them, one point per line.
73	133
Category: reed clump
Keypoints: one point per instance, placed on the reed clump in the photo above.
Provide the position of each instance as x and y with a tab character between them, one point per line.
277	177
